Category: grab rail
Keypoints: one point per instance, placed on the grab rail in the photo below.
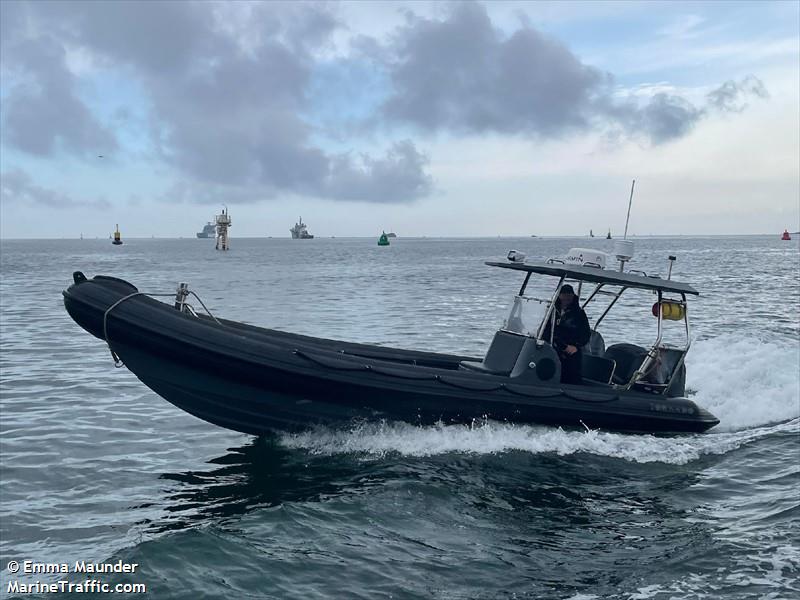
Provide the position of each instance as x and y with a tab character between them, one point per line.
117	361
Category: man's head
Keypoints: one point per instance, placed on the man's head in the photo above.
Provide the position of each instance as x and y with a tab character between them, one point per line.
567	295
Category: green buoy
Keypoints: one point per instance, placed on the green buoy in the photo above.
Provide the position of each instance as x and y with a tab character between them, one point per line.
383	240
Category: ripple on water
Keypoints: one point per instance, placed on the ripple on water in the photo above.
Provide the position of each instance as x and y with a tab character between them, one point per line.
95	466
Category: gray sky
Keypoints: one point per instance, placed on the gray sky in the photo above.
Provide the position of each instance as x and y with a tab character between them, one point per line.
423	118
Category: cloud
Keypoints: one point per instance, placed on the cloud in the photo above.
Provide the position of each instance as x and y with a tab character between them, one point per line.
460	74
398	177
660	118
730	96
16	187
684	27
667	116
228	97
42	112
227	88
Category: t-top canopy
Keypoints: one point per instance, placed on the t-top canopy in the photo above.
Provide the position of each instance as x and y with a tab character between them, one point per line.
599	276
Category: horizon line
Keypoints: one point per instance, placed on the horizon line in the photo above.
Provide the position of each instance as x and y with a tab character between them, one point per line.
409	237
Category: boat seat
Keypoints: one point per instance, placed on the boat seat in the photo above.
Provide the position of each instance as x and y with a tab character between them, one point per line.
665	365
666	362
628	358
501	356
597	368
596	346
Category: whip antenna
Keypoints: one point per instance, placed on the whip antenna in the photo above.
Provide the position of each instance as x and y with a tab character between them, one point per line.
628	218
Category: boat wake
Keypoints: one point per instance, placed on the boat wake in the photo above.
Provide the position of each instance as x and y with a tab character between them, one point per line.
751	386
378	440
745	382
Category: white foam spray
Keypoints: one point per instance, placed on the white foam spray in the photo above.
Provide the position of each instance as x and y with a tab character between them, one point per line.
378	440
752	386
745	382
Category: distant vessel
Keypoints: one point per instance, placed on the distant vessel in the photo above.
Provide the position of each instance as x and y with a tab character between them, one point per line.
383	240
391	234
786	235
591	234
300	231
608	235
117	241
209	231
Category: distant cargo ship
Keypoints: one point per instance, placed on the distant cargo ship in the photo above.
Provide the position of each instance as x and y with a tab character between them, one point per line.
300	231
209	231
391	234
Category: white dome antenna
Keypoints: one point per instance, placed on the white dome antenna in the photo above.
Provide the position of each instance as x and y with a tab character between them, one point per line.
623	250
516	256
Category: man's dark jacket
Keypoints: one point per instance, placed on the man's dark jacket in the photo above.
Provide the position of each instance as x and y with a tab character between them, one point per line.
572	328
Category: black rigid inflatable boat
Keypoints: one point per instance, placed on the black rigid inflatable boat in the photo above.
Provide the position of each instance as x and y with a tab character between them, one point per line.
257	380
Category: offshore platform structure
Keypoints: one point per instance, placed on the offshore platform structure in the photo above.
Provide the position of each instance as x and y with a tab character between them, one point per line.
223	222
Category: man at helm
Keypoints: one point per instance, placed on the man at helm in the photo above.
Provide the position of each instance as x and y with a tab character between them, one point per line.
571	333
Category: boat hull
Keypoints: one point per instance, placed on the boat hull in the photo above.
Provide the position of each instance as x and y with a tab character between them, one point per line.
257	380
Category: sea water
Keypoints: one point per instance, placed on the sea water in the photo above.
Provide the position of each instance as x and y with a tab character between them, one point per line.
95	467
